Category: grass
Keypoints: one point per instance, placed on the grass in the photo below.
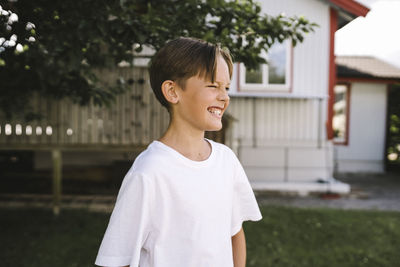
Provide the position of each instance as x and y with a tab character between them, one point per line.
323	237
285	237
34	237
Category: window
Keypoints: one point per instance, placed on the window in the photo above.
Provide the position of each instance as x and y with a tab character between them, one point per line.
274	76
340	119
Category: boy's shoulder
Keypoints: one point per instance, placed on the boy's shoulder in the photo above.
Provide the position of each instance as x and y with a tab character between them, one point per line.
223	149
150	158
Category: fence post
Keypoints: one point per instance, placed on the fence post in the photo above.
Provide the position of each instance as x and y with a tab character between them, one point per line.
57	176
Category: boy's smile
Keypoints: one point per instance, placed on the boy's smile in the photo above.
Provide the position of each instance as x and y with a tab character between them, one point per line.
202	103
216	111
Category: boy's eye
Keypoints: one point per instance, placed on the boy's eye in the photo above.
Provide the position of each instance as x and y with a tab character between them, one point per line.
216	86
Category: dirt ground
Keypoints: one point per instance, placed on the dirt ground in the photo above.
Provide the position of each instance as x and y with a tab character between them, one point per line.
368	191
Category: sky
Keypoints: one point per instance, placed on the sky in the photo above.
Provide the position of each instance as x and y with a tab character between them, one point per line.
377	34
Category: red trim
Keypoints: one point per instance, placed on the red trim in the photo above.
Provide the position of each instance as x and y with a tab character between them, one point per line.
348	114
367	80
348	98
333	14
352	7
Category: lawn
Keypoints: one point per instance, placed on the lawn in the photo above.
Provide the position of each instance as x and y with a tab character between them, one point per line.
324	237
285	237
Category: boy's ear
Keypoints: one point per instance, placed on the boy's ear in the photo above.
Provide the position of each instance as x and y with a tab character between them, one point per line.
169	90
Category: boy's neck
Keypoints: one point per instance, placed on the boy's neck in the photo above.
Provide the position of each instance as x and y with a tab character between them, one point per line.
188	142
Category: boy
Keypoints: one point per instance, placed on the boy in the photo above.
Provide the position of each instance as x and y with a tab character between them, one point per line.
183	201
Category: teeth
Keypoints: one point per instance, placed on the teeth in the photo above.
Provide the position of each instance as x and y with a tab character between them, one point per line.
215	111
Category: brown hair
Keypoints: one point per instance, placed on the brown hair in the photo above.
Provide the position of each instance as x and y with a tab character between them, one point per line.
183	58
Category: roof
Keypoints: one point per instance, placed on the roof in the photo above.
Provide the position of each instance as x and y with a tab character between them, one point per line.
365	67
348	10
350	6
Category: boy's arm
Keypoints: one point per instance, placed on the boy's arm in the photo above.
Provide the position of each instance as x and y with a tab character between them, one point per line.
239	249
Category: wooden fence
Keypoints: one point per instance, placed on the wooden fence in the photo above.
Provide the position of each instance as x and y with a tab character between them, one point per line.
135	119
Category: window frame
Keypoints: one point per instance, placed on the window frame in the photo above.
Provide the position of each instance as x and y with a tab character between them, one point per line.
345	141
265	86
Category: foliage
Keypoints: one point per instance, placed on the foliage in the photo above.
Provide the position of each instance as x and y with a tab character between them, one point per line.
392	159
74	38
285	237
8	20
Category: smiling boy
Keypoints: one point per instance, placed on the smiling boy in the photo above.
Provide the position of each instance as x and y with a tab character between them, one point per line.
183	202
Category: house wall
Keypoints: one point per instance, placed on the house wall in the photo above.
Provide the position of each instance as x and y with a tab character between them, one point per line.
365	149
310	59
281	137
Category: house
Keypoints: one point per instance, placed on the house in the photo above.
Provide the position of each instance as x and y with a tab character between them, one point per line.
361	112
284	110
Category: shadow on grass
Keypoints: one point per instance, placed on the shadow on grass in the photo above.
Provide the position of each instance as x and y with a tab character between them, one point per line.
34	237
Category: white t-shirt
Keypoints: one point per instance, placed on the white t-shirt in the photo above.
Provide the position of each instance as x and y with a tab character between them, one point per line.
175	212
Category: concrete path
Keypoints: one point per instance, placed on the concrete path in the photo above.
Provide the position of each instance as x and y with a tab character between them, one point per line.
368	191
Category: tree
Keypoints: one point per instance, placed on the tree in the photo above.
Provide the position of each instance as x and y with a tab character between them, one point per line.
74	38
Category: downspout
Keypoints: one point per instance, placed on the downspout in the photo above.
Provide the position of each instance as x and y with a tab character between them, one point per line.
319	134
332	71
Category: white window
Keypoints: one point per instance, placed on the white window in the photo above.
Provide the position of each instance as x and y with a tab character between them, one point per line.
271	77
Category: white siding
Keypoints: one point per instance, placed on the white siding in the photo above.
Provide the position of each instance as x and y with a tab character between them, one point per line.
287	163
277	121
365	149
281	140
310	58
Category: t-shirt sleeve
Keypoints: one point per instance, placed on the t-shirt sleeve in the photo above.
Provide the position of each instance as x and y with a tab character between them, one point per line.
128	227
244	204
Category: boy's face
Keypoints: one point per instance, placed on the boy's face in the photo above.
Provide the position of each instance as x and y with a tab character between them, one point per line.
202	103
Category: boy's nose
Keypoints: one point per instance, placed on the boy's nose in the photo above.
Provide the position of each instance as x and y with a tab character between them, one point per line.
223	96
